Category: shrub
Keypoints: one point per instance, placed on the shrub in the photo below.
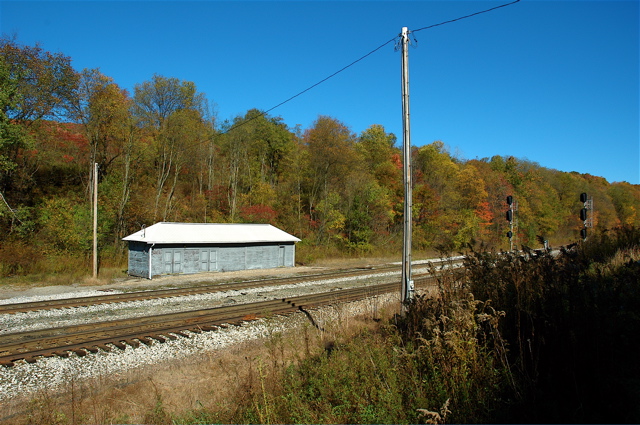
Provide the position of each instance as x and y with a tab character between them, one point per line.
18	258
568	320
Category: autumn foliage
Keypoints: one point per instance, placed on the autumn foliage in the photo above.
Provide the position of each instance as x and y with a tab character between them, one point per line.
163	156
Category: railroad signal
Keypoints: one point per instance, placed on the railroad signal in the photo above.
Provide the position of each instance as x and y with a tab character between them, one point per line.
511	218
583	214
586	214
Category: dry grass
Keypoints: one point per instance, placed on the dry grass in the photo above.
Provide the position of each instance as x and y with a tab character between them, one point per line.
364	261
80	276
519	348
352	262
623	257
206	388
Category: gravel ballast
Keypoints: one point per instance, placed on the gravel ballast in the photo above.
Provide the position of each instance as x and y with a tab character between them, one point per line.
25	379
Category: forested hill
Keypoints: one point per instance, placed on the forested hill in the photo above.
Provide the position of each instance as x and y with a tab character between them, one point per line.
163	157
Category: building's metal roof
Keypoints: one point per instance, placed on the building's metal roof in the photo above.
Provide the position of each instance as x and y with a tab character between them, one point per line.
210	233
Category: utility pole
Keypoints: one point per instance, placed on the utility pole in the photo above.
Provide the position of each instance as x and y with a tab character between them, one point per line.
95	220
407	282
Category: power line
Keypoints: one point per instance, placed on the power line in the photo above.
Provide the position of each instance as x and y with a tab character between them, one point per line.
361	58
466	16
332	75
310	87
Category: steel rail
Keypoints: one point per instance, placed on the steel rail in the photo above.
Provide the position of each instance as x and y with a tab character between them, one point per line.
97	336
93	337
192	290
179	292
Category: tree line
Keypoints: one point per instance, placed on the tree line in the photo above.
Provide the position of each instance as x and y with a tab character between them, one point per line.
163	155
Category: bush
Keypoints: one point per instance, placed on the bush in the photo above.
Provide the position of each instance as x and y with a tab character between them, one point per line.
569	317
439	362
455	355
17	258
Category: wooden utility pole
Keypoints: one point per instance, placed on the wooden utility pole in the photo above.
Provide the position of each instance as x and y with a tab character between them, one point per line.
95	220
407	282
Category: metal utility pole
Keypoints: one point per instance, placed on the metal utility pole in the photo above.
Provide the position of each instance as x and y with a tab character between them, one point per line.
407	282
95	220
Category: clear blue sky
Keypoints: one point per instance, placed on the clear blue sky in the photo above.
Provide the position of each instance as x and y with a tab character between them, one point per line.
554	82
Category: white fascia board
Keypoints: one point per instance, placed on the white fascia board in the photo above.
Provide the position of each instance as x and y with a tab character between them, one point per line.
192	233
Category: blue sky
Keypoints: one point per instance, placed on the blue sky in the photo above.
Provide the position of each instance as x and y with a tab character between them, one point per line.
554	82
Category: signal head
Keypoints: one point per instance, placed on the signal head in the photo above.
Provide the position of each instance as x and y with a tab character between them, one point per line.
583	214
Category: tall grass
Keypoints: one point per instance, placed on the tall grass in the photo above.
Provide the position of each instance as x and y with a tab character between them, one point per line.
512	338
572	322
28	264
429	365
515	337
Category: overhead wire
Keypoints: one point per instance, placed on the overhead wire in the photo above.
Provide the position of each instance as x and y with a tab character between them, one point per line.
332	75
466	16
264	113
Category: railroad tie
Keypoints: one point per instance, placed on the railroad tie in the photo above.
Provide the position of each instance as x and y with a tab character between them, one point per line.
158	338
209	328
145	340
120	344
104	347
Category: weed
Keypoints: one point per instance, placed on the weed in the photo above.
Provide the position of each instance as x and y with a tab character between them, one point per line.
158	413
43	411
514	337
568	317
439	417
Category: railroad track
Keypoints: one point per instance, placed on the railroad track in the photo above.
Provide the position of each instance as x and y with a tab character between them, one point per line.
81	339
179	292
93	337
186	291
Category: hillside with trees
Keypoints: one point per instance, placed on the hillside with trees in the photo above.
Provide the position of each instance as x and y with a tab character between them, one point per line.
163	156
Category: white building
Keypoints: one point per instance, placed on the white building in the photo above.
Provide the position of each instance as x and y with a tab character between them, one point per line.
172	248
